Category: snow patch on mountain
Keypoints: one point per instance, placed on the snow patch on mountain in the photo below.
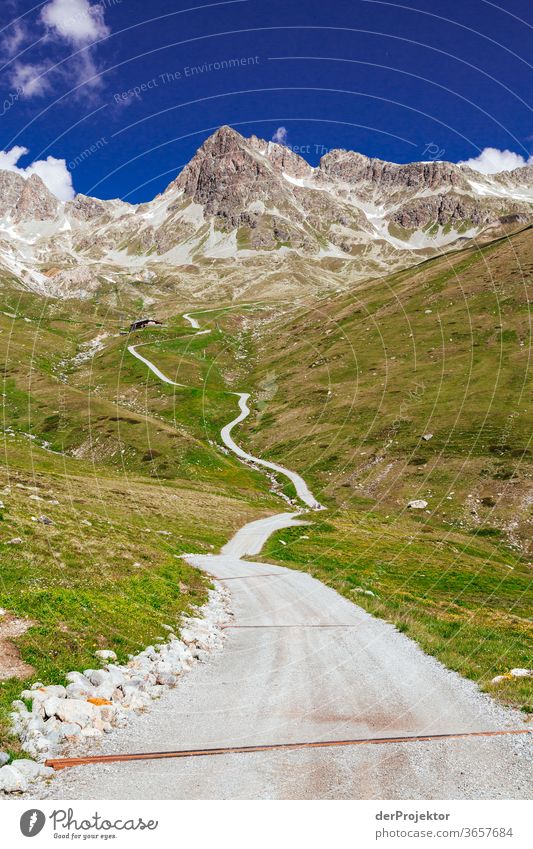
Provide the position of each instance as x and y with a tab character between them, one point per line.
239	199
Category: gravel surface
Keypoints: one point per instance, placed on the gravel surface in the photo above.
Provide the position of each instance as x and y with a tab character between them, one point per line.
283	679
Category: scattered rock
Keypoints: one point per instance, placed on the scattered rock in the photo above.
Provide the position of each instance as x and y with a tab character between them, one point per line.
108	713
514	673
79	679
135	700
52	727
90	732
55	690
116	674
98	677
51	706
37	746
105	654
104	691
499	678
4	758
14	541
45	520
76	691
166	679
75	711
521	673
32	770
427	436
417	504
11	780
70	731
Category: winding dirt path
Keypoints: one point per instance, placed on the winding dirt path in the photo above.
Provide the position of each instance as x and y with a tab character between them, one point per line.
302	490
301	663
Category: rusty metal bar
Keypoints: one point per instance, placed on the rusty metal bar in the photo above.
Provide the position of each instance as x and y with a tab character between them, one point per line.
246	577
234	627
62	763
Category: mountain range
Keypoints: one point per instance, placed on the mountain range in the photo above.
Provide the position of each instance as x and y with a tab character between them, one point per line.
246	216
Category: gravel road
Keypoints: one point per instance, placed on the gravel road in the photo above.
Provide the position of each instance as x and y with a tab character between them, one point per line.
301	663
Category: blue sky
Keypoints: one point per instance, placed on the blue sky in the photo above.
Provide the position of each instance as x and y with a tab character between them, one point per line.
124	91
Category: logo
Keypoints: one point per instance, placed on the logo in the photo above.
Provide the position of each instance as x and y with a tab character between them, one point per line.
32	822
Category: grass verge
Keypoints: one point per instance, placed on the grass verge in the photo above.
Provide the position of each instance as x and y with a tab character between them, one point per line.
464	598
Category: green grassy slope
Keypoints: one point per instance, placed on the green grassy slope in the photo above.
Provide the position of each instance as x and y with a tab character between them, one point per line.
349	387
344	392
347	406
96	447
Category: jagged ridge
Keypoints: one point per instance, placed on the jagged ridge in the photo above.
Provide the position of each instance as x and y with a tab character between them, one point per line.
249	201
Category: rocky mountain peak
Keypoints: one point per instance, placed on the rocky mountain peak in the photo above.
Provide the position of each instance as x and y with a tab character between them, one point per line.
26	198
223	140
247	200
86	208
225	144
282	158
230	154
357	169
11	187
518	177
36	202
227	174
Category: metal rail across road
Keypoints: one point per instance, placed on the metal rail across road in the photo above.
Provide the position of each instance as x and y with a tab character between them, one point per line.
63	763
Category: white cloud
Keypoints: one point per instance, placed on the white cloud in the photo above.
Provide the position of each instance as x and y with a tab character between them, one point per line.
492	161
9	158
76	21
13	39
55	175
280	136
73	25
53	172
85	72
30	79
